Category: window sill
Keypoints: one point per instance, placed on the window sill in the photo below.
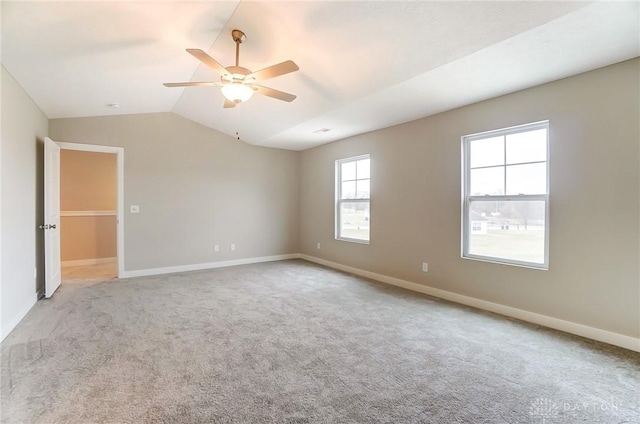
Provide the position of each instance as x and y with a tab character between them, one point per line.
498	261
351	240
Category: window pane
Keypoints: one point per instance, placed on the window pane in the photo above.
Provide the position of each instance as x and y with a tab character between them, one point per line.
513	230
348	171
348	190
527	179
363	168
487	152
530	146
362	189
354	220
487	181
353	215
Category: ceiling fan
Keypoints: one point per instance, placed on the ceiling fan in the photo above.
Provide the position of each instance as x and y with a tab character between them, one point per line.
238	83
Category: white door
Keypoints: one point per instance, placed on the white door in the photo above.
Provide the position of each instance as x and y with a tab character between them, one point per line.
51	227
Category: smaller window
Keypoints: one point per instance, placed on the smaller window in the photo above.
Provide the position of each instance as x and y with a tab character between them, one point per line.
352	199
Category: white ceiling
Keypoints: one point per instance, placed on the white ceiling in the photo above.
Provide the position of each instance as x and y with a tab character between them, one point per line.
364	65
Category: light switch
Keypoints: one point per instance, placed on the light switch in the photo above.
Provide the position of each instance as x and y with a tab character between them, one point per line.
134	208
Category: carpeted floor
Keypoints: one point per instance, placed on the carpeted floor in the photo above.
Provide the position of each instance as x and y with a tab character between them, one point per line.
292	342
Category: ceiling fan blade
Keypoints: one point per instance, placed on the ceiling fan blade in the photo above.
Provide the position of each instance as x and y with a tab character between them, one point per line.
228	103
273	71
208	60
192	84
276	94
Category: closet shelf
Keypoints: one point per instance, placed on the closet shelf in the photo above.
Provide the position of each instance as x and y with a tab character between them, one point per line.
87	213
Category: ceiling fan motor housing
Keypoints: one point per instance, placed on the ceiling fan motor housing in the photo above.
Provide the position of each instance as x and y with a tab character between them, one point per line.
236	74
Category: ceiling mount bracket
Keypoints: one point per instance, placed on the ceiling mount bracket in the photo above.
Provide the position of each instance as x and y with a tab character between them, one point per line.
238	36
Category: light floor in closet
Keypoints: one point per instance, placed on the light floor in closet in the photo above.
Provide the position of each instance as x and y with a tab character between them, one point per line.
89	273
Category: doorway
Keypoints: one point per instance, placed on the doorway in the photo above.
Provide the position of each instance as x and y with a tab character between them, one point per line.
88	200
91	187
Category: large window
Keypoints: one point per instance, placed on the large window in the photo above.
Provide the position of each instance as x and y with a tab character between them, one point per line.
352	199
506	196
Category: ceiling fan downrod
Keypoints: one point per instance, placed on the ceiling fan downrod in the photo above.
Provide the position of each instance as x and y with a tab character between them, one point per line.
238	37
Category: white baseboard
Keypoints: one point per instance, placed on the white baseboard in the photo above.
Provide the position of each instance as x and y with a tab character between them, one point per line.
94	261
609	337
7	329
208	265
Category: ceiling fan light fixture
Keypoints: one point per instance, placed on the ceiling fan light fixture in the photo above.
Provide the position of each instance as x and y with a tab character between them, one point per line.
237	92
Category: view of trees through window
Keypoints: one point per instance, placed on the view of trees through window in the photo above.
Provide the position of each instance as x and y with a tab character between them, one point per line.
505	195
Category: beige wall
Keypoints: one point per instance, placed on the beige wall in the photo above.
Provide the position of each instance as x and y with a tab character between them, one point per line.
195	187
24	127
593	277
88	182
87	237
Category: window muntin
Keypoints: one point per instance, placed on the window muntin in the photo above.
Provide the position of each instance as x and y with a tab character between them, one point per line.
353	187
505	196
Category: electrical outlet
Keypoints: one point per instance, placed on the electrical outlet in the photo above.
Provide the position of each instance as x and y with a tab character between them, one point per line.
233	246
216	248
318	245
425	267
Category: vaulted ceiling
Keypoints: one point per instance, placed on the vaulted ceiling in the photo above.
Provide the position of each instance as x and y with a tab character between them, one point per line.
364	65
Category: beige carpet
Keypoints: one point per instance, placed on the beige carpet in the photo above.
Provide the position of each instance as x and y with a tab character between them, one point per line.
292	342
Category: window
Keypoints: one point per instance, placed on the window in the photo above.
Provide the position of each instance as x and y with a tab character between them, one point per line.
506	197
352	199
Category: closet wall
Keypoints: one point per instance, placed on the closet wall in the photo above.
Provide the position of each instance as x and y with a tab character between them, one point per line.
88	200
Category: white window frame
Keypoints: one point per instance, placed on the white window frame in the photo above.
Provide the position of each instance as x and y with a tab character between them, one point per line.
467	199
339	199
